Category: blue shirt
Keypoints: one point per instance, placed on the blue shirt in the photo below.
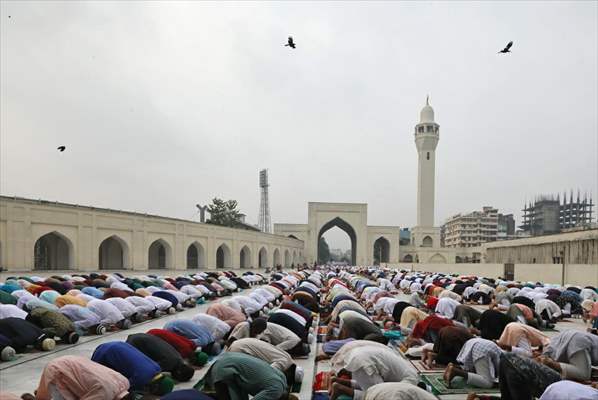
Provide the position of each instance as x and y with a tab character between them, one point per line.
167	296
192	331
92	291
138	368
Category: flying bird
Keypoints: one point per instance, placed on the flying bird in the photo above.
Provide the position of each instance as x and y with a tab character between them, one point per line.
290	42
508	48
61	148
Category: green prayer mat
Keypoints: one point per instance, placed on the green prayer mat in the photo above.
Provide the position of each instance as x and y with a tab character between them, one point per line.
458	385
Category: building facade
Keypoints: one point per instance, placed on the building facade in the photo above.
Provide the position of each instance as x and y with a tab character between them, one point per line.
41	235
472	229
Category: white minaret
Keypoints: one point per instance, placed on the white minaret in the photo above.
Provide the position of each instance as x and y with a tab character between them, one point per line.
426	140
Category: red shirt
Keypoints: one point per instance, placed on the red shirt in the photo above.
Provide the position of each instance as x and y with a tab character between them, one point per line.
183	345
433	322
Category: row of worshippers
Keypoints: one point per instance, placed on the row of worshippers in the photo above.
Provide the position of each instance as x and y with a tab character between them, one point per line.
40	312
259	350
446	327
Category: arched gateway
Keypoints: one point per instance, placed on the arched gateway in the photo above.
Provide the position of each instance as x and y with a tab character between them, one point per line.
352	219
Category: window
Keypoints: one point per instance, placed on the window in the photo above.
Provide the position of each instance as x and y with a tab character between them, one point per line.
428	155
429	128
420	129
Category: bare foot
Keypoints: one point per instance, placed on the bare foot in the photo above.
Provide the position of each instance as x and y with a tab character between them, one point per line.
333	391
449	374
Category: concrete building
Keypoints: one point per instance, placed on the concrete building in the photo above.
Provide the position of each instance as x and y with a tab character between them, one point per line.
547	215
506	227
41	235
472	229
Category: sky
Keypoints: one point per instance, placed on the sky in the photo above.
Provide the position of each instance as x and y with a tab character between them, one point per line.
166	105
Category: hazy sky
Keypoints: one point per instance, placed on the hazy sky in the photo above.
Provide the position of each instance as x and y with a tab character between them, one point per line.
165	105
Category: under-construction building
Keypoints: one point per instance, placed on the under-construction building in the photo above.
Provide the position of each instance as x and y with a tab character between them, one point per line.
548	214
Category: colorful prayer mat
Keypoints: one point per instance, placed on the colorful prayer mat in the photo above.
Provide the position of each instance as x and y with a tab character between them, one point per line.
458	386
423	368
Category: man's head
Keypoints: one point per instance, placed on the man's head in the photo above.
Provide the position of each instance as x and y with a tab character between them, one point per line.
257	326
161	385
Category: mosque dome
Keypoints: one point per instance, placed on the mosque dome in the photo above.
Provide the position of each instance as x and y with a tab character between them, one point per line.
427	113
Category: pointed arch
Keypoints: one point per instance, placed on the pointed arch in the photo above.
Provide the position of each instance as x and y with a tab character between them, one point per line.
294	258
263	258
345	226
276	258
381	250
293	237
159	255
287	259
245	257
427	242
113	253
408	258
223	259
437	259
195	256
53	251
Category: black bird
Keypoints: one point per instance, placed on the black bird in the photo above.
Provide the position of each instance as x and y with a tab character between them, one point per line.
61	148
290	42
508	48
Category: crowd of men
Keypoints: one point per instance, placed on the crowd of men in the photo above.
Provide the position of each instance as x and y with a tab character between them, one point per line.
487	333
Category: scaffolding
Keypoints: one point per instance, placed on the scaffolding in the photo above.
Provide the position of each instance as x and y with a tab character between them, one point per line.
548	214
264	219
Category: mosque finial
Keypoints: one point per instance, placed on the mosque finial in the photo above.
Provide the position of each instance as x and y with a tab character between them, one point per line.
428	100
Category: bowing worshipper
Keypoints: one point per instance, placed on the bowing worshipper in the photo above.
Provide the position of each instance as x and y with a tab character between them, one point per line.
11	311
299	309
569	390
520	339
127	309
218	329
277	358
446	307
356	326
164	295
164	306
548	310
93	291
275	334
417	300
22	333
522	378
426	331
198	334
186	348
143	373
383	307
526	315
110	316
467	315
492	323
480	360
237	376
249	306
144	307
447	346
74	377
409	317
66	299
8	298
343	305
54	324
295	323
572	354
167	357
226	314
116	292
306	298
397	391
85	320
184	300
369	366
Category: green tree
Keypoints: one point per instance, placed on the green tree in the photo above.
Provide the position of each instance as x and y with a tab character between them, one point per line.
224	213
323	251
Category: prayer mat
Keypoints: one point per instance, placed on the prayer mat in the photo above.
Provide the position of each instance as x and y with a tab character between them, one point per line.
423	368
548	330
322	380
436	383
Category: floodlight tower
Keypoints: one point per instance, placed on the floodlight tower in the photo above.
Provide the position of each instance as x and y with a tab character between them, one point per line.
264	221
